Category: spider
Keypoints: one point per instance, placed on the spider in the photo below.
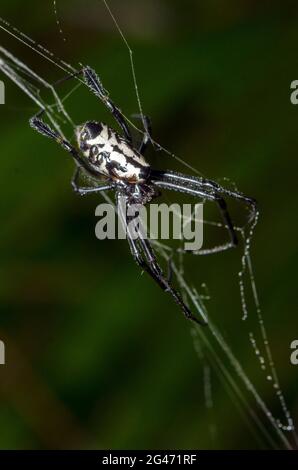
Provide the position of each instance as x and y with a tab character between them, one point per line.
114	162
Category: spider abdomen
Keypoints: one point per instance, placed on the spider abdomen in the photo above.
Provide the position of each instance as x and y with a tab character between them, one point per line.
110	154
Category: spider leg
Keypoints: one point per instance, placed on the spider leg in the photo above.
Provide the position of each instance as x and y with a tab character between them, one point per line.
158	275
208	185
44	129
227	219
249	201
141	247
68	77
82	190
199	191
93	82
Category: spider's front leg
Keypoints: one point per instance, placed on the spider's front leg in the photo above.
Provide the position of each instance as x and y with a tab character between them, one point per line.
93	82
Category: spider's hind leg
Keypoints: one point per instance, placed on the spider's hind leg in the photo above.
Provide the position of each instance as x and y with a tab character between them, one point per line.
198	188
228	224
165	282
144	256
222	205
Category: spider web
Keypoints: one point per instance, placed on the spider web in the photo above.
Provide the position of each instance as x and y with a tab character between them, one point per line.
213	350
202	338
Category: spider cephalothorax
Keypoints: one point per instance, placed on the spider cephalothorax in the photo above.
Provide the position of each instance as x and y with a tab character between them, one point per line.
115	163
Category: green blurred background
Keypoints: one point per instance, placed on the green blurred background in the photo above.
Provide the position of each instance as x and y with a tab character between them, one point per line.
96	355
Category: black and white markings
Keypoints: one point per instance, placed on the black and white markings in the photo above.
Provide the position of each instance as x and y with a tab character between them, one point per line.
110	154
103	152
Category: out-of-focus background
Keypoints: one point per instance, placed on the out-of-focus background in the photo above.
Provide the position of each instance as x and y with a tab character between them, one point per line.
96	355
